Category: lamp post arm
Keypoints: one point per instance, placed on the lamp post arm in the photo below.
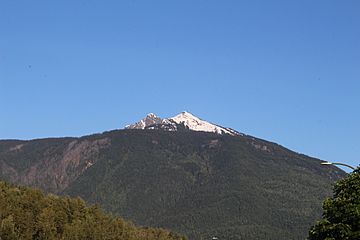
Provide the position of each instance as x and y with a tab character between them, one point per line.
343	164
337	163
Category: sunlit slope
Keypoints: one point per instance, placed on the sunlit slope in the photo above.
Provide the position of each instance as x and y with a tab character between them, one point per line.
30	214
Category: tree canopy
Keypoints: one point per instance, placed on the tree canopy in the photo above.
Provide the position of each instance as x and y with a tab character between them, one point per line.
341	217
30	214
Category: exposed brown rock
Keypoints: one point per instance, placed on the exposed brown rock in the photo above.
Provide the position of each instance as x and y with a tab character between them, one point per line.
55	172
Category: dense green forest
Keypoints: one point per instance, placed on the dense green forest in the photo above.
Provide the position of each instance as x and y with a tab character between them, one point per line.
30	214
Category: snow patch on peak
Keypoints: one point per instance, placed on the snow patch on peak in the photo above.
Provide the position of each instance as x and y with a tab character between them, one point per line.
151	115
187	119
196	124
150	119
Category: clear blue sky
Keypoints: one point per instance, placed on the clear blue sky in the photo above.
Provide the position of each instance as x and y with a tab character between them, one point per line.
286	71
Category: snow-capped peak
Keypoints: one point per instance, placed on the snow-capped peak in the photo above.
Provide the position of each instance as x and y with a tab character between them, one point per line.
150	119
151	115
196	124
188	120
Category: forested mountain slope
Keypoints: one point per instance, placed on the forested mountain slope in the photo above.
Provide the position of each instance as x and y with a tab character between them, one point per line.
196	183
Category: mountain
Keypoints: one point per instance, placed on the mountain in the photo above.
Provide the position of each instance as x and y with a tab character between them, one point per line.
182	121
168	173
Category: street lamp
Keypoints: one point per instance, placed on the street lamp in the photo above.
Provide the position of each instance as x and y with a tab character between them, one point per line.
336	163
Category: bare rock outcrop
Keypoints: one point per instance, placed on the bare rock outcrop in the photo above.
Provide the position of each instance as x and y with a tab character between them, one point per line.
54	172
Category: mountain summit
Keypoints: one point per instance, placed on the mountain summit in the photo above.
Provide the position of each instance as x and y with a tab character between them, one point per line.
182	121
150	119
218	183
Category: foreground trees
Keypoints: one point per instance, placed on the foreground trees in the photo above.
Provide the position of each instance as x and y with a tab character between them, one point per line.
341	217
29	214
